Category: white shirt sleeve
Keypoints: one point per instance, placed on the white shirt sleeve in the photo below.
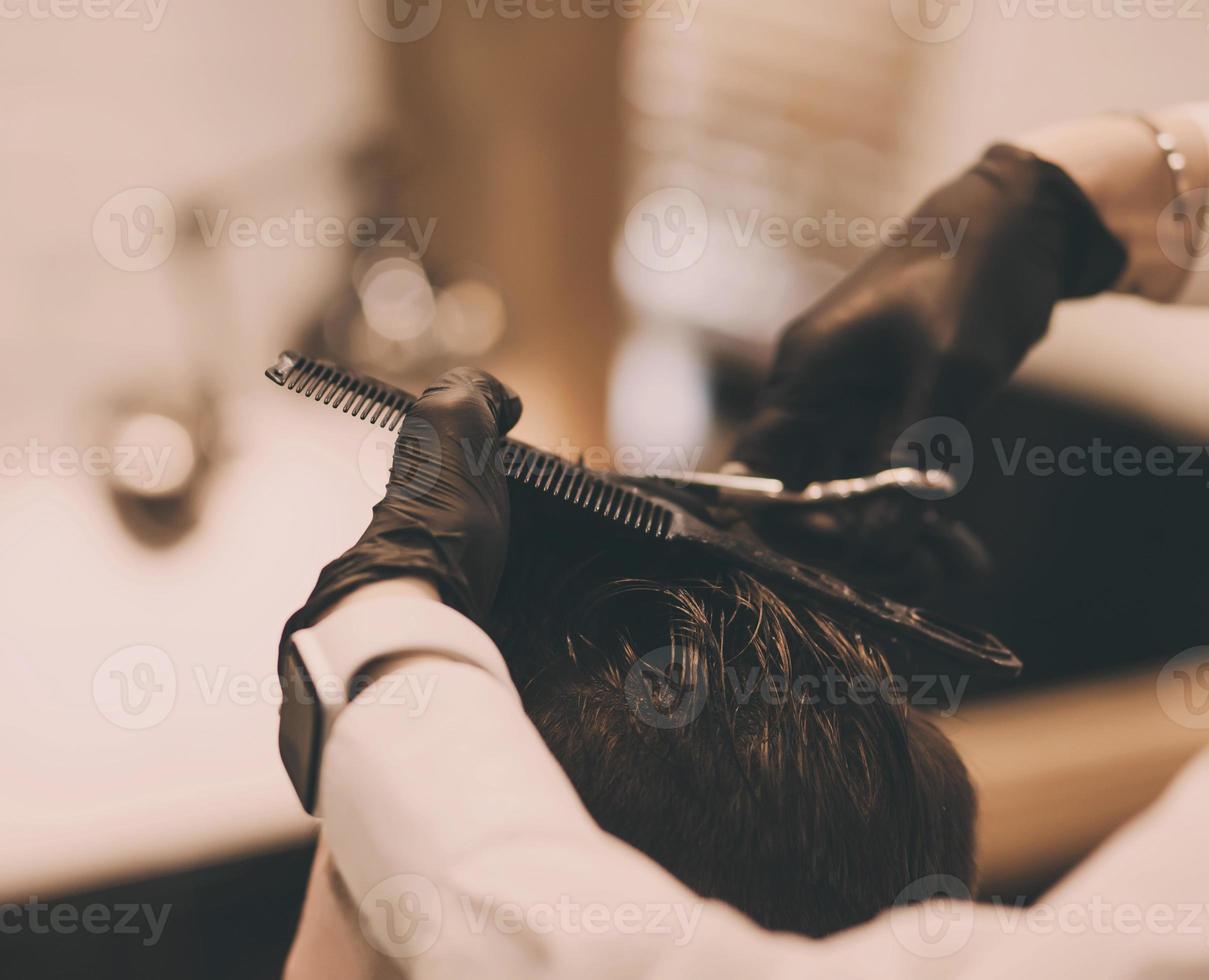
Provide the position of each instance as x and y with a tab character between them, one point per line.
466	852
1196	290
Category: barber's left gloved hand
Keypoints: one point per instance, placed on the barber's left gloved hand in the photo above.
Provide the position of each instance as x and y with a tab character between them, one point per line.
445	513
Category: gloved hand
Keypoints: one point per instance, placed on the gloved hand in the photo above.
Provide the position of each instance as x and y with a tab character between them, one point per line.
445	513
913	334
910	335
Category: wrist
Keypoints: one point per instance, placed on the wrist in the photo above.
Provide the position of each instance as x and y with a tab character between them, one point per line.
1190	127
1116	161
331	664
408	587
397	588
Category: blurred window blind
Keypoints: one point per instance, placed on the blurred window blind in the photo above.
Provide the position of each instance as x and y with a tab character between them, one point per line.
778	118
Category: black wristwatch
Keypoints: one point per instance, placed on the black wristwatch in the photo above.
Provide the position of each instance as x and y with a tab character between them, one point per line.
324	667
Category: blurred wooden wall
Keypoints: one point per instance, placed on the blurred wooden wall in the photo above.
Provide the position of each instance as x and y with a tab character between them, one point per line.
509	134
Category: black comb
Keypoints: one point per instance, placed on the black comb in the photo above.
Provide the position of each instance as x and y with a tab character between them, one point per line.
649	511
386	406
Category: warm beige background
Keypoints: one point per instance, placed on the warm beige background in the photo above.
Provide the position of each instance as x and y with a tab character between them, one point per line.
513	140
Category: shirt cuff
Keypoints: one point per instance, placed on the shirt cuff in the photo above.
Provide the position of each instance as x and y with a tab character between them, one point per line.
396	618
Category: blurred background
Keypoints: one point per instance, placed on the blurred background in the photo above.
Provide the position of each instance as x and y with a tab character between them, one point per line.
587	205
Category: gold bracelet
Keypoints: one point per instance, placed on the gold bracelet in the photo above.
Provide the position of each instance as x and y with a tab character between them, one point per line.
1168	145
1188	239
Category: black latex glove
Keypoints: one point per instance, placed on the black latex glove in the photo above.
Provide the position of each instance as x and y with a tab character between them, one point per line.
912	334
445	513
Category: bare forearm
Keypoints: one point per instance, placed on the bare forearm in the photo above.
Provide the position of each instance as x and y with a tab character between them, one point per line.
1116	161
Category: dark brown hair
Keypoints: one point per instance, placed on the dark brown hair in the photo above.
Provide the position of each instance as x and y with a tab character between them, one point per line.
668	699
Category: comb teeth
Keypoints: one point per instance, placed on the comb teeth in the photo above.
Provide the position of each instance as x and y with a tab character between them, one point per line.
555	477
367	398
385	406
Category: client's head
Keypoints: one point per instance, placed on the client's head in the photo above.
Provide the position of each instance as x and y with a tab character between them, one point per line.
720	727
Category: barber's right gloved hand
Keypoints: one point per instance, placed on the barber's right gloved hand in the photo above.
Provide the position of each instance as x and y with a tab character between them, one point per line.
917	332
445	513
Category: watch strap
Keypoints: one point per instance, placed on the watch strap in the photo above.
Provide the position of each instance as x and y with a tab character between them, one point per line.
322	664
